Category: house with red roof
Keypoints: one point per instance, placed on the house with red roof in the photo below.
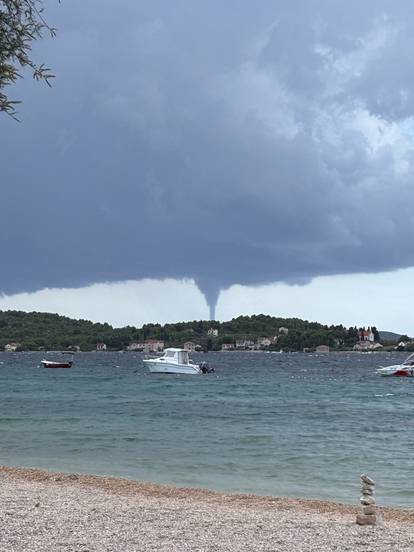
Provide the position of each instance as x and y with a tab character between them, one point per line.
366	335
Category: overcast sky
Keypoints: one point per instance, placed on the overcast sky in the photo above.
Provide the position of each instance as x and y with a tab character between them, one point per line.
264	150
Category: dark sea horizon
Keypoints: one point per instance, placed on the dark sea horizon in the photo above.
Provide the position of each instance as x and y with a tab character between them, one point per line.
291	424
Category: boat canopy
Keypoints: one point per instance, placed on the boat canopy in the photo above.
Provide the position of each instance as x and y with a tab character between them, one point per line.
179	355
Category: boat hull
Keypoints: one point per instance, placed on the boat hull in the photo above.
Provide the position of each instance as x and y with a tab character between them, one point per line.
171	368
397	371
48	364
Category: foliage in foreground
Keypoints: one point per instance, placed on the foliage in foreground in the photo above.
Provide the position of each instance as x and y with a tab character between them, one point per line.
21	23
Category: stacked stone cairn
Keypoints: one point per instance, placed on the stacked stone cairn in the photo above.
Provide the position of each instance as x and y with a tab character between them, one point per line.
368	514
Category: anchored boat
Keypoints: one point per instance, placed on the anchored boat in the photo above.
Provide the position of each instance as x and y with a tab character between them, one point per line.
58	364
52	364
404	370
176	361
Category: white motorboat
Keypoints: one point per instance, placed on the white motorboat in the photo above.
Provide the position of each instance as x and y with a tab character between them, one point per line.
175	361
404	370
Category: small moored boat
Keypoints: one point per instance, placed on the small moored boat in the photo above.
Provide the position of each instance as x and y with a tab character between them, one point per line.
58	363
52	364
404	370
175	361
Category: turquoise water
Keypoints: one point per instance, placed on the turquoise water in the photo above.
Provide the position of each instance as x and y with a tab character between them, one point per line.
282	424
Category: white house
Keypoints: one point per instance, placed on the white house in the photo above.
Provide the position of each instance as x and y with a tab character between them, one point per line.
11	347
283	330
244	344
401	345
153	345
227	347
135	346
263	342
190	346
213	332
101	346
366	335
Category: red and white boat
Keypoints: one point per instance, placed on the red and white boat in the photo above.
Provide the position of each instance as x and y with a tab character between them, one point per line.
53	364
404	370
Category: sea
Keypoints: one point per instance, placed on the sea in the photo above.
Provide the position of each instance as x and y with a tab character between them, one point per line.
281	424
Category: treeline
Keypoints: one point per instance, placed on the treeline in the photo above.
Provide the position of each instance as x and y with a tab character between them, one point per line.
37	331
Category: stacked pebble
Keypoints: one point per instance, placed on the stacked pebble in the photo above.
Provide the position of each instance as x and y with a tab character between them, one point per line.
368	516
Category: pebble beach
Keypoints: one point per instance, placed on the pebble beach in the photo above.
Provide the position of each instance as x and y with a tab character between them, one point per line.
47	511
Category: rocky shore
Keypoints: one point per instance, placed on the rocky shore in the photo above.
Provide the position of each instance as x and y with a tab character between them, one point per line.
54	512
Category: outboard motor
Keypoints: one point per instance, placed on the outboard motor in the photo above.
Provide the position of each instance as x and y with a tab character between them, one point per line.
205	368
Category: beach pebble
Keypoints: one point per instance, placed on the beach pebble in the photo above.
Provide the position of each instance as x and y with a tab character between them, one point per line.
367	492
366	479
368	487
363	519
367	500
369	510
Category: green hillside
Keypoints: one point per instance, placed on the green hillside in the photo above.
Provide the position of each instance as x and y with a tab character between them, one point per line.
36	331
389	336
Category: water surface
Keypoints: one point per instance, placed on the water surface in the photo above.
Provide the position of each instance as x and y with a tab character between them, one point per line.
297	425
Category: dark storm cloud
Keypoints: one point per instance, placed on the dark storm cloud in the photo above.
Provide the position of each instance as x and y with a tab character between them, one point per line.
224	141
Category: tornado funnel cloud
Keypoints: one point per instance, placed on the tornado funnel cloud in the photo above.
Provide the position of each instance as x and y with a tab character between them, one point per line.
211	291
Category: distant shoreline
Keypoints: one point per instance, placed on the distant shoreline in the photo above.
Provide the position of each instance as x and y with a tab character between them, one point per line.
37	331
263	351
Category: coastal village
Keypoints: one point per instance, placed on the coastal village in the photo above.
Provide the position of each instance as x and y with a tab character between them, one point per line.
367	340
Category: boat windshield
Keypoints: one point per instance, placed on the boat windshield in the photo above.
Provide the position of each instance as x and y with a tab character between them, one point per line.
409	360
169	354
183	357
